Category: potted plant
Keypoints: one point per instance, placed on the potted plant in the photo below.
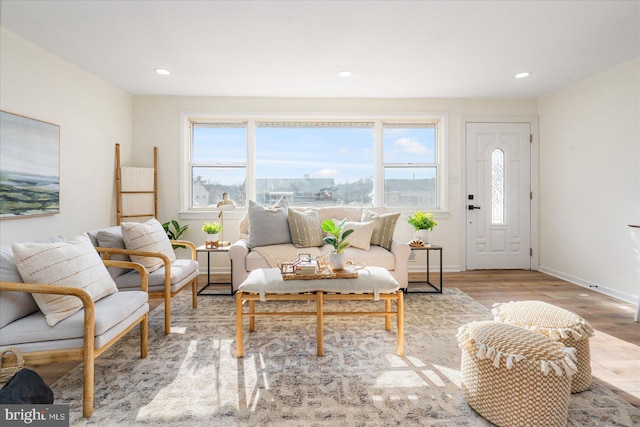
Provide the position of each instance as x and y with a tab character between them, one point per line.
422	223
212	230
176	232
336	238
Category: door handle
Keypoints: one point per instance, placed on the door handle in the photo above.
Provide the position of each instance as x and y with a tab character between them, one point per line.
471	207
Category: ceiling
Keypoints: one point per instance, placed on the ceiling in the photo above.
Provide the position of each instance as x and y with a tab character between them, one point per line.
395	49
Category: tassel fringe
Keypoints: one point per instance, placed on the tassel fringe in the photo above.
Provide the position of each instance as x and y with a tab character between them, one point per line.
567	365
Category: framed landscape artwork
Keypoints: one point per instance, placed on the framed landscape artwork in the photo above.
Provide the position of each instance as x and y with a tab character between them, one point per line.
29	167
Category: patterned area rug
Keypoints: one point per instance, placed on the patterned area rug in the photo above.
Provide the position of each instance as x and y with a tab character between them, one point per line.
192	377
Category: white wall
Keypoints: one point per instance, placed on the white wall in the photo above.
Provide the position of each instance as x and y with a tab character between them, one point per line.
590	181
93	115
157	123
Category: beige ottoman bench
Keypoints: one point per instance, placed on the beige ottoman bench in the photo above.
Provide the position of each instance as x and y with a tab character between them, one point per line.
515	377
556	323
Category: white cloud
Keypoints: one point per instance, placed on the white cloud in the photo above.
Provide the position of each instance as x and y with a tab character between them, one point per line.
326	173
411	145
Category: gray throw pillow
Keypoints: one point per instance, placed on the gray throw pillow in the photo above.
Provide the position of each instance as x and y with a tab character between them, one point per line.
112	238
384	228
305	229
268	226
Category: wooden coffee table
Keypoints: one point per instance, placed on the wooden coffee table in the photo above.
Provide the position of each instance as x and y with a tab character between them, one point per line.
372	284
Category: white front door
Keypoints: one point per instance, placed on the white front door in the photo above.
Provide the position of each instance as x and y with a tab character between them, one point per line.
498	205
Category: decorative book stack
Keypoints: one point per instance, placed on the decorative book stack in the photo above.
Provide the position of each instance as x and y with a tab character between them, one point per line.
306	267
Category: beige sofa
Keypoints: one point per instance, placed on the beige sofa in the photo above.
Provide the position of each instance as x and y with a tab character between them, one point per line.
245	258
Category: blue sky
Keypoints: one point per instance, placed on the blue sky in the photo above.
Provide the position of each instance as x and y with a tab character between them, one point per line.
345	154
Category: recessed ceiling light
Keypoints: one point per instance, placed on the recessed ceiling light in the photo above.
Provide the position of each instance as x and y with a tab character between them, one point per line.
345	73
523	74
162	71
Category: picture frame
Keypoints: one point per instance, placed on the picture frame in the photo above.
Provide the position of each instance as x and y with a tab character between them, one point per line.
29	167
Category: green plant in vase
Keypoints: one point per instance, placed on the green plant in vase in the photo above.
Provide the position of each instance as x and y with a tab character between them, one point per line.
422	223
212	230
336	238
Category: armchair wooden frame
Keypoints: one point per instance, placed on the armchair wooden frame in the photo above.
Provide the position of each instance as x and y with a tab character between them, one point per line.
167	294
88	352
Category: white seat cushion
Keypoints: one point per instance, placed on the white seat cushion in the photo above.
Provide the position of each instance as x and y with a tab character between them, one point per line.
181	270
109	311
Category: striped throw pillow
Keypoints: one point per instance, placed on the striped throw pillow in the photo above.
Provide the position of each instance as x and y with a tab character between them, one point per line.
73	263
305	229
149	237
384	228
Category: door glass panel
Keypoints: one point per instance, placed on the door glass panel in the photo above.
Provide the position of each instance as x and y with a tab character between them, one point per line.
497	186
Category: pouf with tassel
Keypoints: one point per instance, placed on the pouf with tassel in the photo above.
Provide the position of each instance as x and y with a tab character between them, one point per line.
556	323
515	377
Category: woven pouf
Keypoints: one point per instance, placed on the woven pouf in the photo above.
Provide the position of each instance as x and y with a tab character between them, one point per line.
515	377
559	325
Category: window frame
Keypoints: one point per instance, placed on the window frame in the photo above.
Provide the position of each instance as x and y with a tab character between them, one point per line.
252	121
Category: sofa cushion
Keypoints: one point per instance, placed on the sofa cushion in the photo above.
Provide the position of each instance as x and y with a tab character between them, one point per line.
330	212
268	226
149	237
376	256
385	226
73	263
305	228
109	311
111	237
15	305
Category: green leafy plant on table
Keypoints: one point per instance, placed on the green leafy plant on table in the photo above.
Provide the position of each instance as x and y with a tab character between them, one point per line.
336	237
211	228
176	232
422	221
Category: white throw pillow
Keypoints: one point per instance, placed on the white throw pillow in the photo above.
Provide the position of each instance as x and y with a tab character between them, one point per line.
361	236
149	237
73	263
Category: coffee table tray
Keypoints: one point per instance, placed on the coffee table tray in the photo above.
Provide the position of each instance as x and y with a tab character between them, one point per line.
349	272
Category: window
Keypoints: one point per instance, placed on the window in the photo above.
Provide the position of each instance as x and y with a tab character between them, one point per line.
368	162
410	165
218	163
497	186
315	163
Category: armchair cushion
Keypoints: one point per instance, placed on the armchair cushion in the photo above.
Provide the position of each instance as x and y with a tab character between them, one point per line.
112	238
181	270
109	311
74	263
15	305
149	237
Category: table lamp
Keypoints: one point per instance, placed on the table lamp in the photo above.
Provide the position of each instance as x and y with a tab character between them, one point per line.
224	205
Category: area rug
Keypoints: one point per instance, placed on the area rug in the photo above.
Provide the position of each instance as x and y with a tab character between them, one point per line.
193	378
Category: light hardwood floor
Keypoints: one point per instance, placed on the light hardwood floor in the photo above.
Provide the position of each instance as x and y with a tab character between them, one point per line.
615	349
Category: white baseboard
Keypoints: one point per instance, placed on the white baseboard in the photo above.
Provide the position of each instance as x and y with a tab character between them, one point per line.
434	269
622	296
215	270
